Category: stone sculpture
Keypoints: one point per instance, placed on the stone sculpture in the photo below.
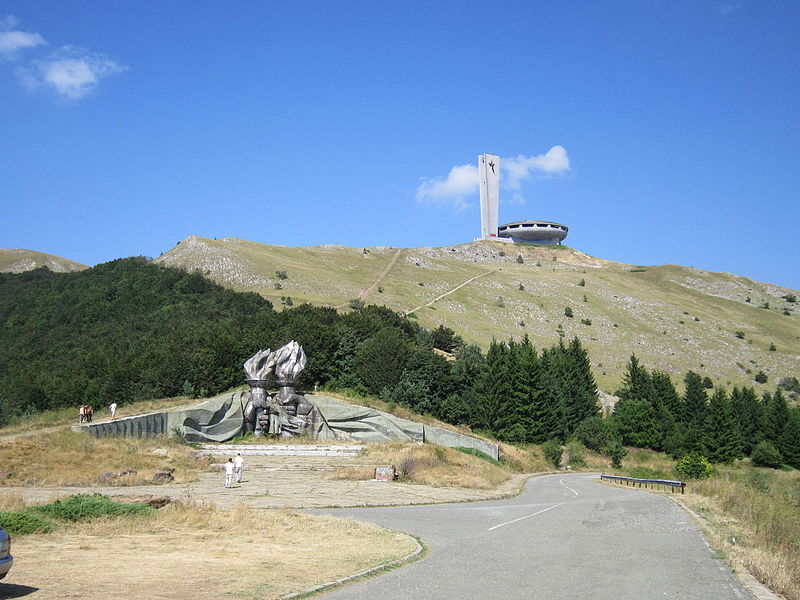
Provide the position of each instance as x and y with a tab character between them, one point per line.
286	413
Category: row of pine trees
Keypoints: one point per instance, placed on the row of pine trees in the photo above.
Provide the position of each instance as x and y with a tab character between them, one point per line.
723	427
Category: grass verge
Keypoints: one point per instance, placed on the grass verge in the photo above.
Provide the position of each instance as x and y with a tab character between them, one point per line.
240	552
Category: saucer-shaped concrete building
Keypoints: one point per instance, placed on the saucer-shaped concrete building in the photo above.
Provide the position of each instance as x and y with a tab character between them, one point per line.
533	232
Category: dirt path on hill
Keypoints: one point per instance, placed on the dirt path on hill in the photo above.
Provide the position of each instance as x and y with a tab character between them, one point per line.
382	276
455	289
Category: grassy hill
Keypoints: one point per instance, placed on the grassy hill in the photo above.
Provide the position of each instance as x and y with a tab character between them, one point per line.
19	260
674	318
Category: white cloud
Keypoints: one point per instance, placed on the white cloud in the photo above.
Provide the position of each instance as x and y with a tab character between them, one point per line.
72	72
463	181
12	40
459	183
518	169
727	8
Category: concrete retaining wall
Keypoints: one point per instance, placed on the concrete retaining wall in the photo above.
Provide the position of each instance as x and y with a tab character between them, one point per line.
451	439
149	425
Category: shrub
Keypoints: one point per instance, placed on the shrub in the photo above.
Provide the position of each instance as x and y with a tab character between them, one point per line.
82	507
616	453
758	481
582	282
586	321
521	288
281	275
577	453
552	451
761	377
20	523
520	260
568	312
772	347
740	335
790	298
594	433
694	466
764	454
356	304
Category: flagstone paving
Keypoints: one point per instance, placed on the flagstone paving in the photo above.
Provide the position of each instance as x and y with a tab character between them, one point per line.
289	482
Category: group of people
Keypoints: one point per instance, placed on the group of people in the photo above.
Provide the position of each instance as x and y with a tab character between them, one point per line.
234	468
85	413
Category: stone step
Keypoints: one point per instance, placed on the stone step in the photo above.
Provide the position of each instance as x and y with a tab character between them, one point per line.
285	450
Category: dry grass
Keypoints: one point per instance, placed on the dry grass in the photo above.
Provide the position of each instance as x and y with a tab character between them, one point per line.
764	521
201	552
65	458
430	465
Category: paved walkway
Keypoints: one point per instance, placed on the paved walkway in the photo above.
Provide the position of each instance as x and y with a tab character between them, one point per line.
289	482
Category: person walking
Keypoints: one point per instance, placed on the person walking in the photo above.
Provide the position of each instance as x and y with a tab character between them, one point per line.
82	413
113	409
89	413
238	467
229	473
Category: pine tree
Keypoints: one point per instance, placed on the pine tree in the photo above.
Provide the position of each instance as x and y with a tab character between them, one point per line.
722	439
748	413
636	423
777	414
514	421
551	378
494	387
636	382
583	401
789	442
695	409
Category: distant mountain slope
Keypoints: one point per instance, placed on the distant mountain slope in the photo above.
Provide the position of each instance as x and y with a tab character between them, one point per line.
674	318
19	260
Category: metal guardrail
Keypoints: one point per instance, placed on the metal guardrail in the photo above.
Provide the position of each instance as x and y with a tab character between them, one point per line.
652	483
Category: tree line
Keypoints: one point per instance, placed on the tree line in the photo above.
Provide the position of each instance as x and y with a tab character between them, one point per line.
722	427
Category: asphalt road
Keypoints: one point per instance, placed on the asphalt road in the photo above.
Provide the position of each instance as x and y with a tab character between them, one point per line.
565	536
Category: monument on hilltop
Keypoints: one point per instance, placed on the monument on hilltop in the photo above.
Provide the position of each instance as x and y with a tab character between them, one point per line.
520	232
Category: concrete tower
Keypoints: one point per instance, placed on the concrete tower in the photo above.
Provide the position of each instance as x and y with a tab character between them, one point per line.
489	169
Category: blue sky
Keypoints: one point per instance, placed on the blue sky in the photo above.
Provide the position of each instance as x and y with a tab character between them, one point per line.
659	132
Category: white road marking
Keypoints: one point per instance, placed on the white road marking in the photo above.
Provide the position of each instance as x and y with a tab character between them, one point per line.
526	516
566	486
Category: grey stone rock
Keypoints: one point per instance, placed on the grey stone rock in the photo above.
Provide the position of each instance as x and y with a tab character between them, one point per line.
163	477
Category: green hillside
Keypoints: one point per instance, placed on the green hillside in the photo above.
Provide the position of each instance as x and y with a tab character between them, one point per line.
19	260
674	318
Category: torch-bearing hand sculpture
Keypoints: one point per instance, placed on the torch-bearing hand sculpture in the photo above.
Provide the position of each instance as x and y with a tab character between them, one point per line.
287	413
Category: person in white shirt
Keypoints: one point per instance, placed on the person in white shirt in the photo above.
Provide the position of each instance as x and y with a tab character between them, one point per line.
113	408
229	473
238	467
